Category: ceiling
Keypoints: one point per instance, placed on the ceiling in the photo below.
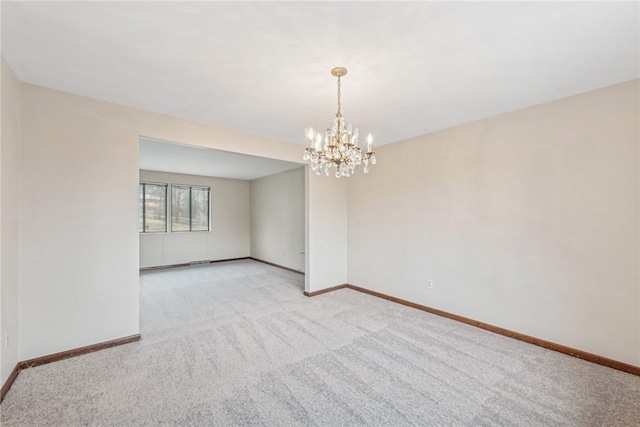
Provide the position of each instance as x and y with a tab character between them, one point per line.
263	67
165	156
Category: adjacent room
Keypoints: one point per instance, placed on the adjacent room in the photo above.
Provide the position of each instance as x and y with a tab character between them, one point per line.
320	213
199	205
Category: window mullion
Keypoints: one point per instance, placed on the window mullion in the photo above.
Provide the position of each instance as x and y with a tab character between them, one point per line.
166	208
144	208
190	209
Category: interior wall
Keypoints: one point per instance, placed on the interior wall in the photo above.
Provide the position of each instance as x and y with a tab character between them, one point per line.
326	231
230	224
536	191
79	243
9	231
528	221
277	219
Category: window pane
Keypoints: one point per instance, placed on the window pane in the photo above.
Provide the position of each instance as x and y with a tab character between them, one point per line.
155	208
140	208
199	209
179	208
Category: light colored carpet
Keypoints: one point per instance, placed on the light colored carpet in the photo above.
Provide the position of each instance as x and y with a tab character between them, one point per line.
238	344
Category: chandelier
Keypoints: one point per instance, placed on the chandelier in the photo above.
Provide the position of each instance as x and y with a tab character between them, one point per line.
339	146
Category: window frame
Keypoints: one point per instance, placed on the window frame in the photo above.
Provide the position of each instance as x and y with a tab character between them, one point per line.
191	187
143	184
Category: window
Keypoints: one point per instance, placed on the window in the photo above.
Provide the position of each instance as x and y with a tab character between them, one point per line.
189	208
152	215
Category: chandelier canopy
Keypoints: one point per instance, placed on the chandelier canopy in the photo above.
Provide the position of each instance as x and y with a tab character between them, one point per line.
339	146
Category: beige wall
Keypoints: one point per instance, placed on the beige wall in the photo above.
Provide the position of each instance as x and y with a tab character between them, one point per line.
9	201
79	254
230	225
325	231
528	221
277	219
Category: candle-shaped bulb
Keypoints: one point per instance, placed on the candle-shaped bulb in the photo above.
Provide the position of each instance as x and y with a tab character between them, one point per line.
369	142
318	141
310	134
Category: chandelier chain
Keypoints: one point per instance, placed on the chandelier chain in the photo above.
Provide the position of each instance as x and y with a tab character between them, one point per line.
339	113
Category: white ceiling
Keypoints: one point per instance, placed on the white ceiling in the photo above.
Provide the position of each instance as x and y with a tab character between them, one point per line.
164	156
263	67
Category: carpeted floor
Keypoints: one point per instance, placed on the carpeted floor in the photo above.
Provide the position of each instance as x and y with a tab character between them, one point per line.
238	344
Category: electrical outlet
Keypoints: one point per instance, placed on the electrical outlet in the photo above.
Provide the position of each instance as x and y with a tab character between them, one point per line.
429	284
6	339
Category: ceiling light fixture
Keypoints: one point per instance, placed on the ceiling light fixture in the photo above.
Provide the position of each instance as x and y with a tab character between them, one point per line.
339	147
